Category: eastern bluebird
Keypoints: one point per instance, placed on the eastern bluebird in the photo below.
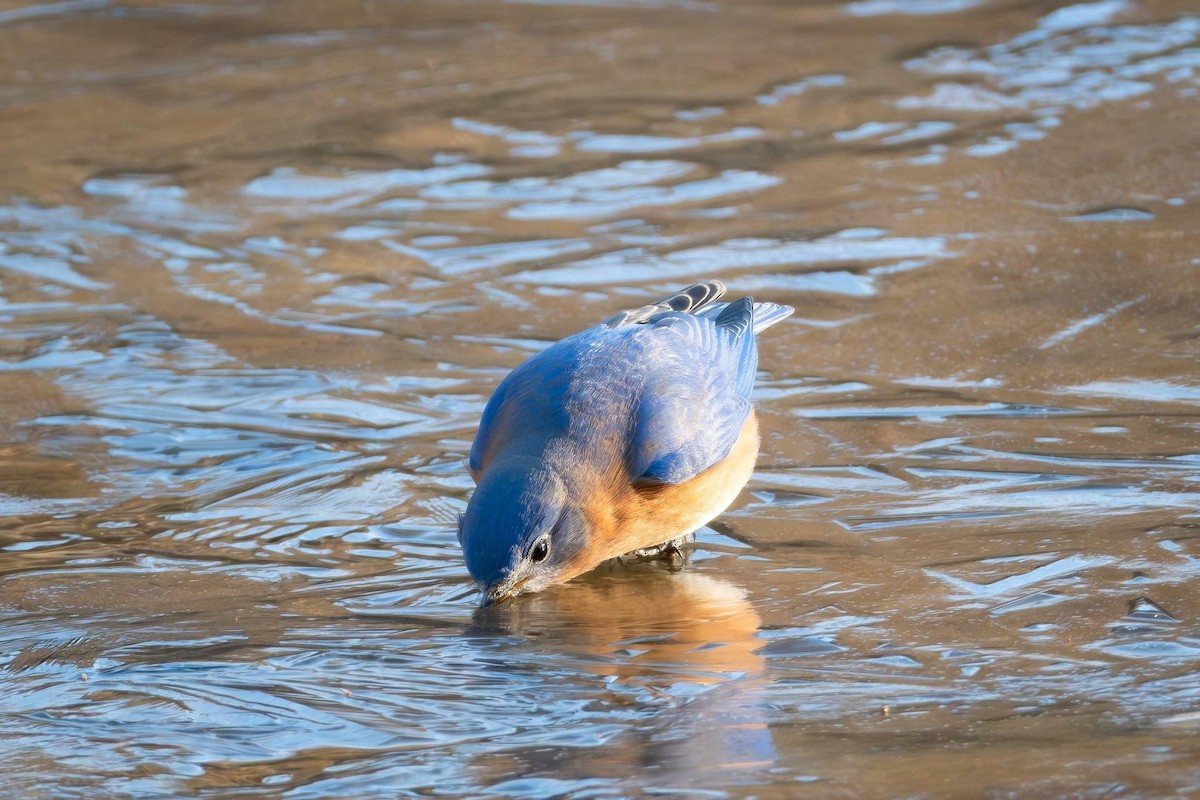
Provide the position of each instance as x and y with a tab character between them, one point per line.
627	435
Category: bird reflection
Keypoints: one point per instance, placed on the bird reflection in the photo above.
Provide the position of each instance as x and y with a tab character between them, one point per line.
680	648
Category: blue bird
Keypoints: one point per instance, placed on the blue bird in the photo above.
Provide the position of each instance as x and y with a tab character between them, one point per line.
625	436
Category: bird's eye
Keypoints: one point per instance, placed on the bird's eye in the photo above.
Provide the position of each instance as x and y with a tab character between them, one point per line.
541	549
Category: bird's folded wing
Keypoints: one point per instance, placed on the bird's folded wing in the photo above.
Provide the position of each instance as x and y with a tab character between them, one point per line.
696	396
690	300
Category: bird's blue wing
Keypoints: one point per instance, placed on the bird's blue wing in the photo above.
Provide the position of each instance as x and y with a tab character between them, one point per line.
696	396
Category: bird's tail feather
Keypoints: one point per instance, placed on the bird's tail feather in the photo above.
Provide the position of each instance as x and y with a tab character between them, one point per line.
765	314
736	317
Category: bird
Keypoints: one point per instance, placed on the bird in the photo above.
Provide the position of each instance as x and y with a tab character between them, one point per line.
624	437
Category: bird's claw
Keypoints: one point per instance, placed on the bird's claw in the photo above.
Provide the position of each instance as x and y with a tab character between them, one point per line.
671	552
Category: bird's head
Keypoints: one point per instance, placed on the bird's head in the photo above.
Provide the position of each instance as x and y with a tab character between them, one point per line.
522	531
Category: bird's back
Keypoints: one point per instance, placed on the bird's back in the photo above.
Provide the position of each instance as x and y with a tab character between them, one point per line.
660	391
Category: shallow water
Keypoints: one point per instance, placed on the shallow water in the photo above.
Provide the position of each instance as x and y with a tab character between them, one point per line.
261	265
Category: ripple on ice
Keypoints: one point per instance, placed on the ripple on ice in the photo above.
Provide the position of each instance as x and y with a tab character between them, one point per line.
735	255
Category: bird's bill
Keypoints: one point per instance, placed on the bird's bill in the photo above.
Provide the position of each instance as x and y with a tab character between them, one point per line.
494	595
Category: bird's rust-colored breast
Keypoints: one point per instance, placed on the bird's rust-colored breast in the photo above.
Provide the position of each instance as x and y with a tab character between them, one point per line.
624	518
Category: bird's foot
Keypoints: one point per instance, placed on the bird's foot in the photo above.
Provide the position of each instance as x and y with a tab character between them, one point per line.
672	552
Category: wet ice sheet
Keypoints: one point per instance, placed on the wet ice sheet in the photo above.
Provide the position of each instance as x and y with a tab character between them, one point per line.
749	254
1076	58
256	287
